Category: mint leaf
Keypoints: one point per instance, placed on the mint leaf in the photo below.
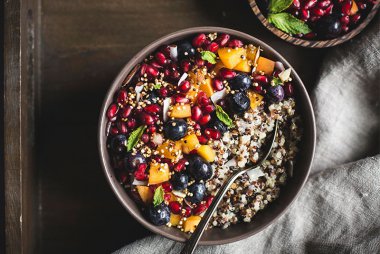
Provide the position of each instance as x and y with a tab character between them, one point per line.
158	196
157	86
134	137
208	56
276	82
222	116
276	6
288	23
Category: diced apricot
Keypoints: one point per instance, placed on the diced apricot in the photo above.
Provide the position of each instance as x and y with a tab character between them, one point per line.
145	193
175	219
196	77
354	8
207	153
231	56
219	65
243	66
265	65
170	150
189	143
173	197
206	87
180	111
191	223
158	173
252	52
192	94
255	99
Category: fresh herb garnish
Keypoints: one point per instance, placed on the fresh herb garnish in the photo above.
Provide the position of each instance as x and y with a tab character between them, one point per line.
288	23
134	137
276	6
276	81
157	86
223	116
158	196
208	56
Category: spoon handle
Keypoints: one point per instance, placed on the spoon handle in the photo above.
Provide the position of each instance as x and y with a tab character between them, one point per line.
194	239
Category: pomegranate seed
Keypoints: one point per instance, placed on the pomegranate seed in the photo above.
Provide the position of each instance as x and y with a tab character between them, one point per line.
199	62
323	4
305	14
235	43
213	47
175	207
209	65
181	165
310	35
122	126
187	212
167	186
203	101
140	172
147	119
345	28
261	79
180	99
125	112
194	151
152	145
227	73
157	158
217	84
163	92
196	127
112	112
161	58
122	97
314	19
167	161
258	89
318	12
206	43
153	108
296	4
186	65
114	130
145	138
196	113
143	69
223	39
202	139
204	119
167	197
208	200
208	109
174	75
199	40
184	86
165	49
329	9
152	129
288	88
173	66
131	123
167	73
213	134
152	71
345	20
361	5
310	4
156	65
199	209
346	7
123	177
355	18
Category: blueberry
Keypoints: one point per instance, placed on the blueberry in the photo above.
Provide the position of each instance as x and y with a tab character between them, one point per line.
185	50
175	129
132	161
240	82
198	191
179	181
237	103
119	143
275	93
329	26
159	215
217	124
199	168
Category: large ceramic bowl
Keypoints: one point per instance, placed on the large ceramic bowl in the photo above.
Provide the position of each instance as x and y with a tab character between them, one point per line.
265	217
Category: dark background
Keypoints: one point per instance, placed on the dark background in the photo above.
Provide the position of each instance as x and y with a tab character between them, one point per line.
81	47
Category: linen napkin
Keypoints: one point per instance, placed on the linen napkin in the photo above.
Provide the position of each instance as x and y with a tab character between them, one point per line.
338	210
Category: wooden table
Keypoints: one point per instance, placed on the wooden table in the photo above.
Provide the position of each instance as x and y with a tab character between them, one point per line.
70	52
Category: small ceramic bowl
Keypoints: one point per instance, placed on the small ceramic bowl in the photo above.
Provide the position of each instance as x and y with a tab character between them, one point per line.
314	43
288	193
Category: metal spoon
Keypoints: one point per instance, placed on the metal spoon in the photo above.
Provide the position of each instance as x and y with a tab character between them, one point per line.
191	244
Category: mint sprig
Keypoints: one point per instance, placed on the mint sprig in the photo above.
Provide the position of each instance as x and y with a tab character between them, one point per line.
276	6
158	196
157	86
288	23
276	81
135	137
208	56
223	116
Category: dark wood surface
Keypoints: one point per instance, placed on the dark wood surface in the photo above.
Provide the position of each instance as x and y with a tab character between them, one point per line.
74	49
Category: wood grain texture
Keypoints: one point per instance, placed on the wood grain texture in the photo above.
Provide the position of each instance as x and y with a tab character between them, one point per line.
313	43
